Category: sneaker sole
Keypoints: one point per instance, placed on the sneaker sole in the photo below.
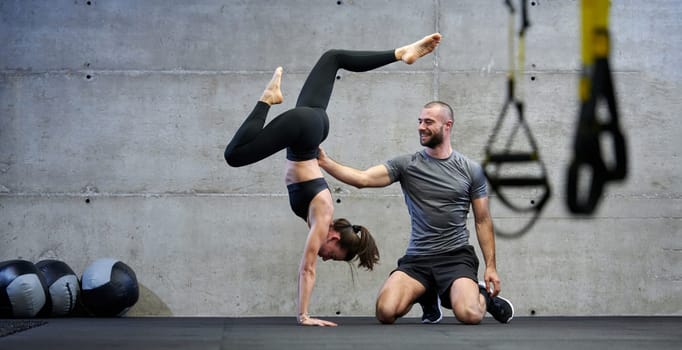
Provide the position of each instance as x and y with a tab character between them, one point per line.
427	321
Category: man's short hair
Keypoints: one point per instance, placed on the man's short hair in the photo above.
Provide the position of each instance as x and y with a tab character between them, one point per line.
448	110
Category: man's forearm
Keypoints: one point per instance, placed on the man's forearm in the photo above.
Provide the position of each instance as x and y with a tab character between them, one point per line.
341	172
486	240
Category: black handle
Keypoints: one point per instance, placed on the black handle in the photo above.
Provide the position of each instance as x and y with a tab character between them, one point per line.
579	202
500	183
603	90
587	149
496	160
512	157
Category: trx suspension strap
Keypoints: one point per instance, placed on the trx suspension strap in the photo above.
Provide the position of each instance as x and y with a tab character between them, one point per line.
496	160
595	89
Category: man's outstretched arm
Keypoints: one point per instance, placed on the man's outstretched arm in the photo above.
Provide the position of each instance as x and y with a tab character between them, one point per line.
376	176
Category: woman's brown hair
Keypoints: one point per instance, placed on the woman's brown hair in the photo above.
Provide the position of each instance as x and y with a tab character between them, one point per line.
358	242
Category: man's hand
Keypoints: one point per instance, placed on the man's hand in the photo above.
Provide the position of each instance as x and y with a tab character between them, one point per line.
490	277
322	157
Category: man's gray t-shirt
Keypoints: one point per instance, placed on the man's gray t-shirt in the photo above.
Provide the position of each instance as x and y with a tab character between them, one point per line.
438	194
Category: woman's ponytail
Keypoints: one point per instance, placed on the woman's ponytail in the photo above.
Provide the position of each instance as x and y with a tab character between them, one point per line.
358	242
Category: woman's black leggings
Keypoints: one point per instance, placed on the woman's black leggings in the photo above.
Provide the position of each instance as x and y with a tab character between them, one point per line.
301	129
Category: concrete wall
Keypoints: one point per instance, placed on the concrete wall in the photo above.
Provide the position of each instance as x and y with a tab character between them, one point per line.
114	116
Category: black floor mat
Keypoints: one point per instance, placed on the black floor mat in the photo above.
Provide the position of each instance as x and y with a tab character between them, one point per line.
9	327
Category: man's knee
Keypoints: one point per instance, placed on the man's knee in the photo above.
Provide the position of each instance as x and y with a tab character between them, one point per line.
384	313
468	314
397	296
467	303
385	317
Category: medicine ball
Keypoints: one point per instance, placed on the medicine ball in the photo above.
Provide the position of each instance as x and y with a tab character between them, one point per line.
62	285
23	291
109	288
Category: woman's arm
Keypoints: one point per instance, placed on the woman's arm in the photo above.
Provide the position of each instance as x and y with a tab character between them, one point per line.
320	219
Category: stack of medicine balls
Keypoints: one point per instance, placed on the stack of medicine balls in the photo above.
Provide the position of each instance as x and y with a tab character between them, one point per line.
50	288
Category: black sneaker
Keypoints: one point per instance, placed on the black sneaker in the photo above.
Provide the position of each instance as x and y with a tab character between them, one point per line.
501	308
431	311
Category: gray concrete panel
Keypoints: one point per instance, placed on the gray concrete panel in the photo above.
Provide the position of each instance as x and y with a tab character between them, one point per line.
208	255
208	35
113	133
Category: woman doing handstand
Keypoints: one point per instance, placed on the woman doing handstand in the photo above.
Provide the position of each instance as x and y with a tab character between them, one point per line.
301	130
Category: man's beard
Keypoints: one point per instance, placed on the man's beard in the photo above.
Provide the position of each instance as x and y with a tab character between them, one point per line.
433	141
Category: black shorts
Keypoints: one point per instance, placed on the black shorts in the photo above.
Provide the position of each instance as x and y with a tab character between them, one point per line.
438	272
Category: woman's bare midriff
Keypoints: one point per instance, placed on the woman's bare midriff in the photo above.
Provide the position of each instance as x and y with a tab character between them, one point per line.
302	171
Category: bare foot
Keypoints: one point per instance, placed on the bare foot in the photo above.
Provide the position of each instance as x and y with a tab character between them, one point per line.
272	94
411	53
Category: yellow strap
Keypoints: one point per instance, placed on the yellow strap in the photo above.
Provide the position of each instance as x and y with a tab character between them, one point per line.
521	64
595	18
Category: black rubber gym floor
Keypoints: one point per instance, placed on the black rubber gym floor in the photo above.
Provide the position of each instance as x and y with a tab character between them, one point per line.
552	333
